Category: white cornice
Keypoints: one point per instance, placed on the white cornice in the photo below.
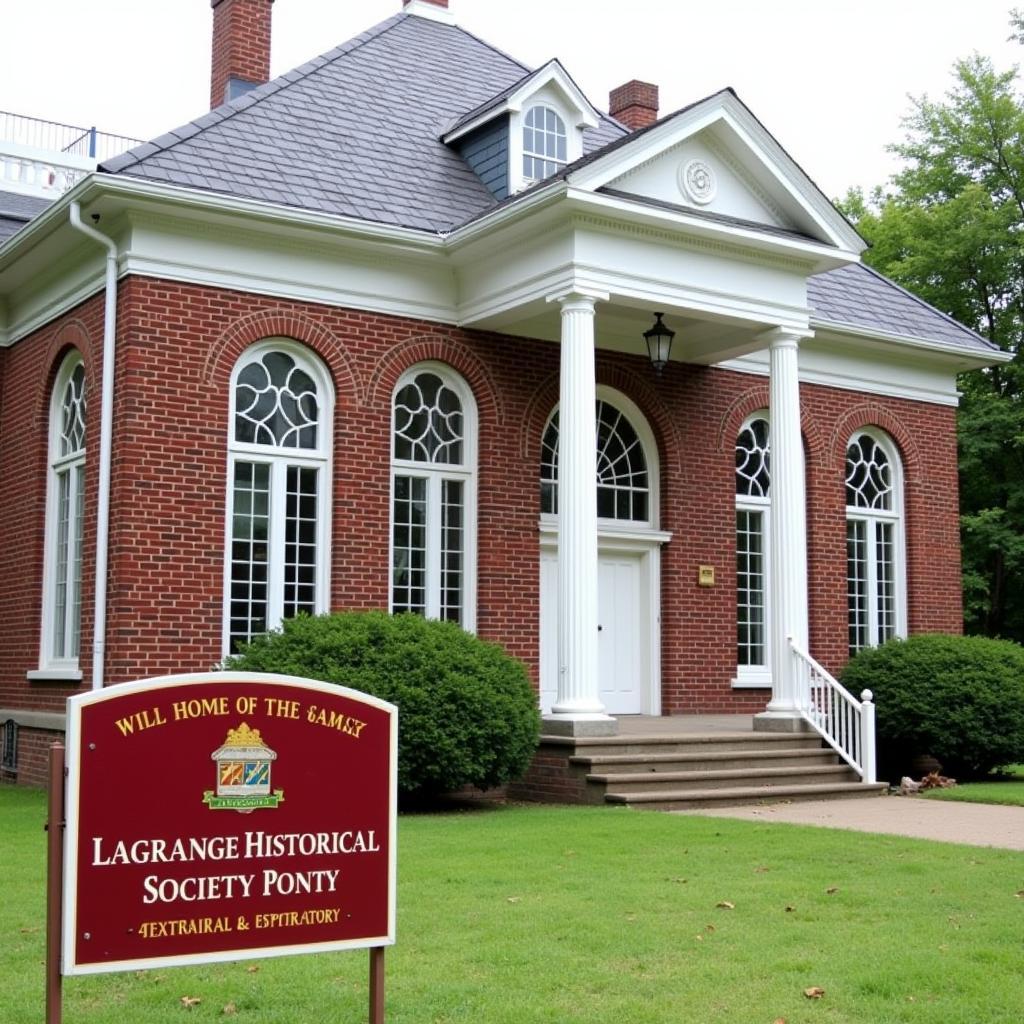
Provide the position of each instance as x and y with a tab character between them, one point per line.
551	73
968	358
726	109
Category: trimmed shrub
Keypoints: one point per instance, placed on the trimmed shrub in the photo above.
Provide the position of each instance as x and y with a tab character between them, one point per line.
467	711
958	698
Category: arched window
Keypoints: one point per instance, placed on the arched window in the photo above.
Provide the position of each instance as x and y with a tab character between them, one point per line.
753	507
65	518
433	496
281	416
544	143
874	540
623	479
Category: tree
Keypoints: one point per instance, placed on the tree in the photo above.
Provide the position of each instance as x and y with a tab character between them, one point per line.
950	228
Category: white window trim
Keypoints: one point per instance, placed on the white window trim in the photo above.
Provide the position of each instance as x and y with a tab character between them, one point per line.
434	474
52	667
638	421
280	459
873	517
758	676
543	97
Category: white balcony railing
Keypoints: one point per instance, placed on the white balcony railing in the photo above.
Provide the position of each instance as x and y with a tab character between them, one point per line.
846	724
46	158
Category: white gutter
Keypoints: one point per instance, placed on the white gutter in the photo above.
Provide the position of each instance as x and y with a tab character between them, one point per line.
99	629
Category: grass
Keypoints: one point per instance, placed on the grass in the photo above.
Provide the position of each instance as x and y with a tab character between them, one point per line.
1005	787
602	916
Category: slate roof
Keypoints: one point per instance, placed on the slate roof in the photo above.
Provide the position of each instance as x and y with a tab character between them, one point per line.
16	211
860	297
356	132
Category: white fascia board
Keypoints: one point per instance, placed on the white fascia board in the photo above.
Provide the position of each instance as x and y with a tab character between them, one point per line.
957	358
828	367
725	108
551	73
257	266
815	255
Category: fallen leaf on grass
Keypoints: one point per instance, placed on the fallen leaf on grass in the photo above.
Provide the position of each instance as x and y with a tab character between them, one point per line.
760	869
189	1001
253	969
726	905
832	889
709	927
699	938
229	1010
789	908
514	899
1019	894
32	931
814	992
779	1020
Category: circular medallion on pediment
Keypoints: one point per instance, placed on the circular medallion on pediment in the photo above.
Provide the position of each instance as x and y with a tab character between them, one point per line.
697	181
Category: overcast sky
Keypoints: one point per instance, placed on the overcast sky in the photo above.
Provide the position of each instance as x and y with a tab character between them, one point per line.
829	78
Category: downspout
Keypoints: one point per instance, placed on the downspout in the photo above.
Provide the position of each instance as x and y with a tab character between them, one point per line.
99	628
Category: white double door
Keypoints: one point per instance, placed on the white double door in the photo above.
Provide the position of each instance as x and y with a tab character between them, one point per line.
626	640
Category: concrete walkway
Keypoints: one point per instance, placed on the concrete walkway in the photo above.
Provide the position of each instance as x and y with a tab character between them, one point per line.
943	820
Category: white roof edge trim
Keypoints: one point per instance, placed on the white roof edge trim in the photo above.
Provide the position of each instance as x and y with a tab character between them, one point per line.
888	337
98	186
749	235
724	106
553	71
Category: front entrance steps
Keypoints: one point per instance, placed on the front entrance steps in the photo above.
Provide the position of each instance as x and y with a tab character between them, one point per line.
686	763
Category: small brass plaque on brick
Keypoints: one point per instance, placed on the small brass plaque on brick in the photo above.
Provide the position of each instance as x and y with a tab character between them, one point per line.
705	575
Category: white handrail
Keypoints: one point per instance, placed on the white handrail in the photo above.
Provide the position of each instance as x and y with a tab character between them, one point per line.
846	724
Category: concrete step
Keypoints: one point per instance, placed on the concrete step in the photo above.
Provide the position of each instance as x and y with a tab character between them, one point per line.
693	799
752	776
684	743
708	760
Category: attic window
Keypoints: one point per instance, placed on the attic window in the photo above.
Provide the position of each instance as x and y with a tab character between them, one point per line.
544	143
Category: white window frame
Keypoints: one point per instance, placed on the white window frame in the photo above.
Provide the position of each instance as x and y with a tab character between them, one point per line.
638	421
280	459
72	466
874	518
572	120
759	676
435	474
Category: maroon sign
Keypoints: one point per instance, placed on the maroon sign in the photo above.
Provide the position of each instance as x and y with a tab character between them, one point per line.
224	816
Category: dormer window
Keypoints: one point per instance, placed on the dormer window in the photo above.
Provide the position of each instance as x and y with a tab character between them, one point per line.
544	143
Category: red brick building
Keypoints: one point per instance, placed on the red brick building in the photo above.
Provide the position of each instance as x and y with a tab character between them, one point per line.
339	344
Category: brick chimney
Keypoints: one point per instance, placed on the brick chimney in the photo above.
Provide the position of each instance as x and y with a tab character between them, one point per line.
635	104
241	48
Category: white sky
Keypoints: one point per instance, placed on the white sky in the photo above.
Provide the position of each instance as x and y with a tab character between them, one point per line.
829	78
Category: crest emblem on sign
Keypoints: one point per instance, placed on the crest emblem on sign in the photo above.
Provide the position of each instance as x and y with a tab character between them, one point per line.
243	773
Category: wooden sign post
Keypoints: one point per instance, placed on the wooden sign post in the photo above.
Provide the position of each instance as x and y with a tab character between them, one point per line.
227	816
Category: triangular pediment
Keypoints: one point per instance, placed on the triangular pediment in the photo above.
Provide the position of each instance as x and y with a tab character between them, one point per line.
715	160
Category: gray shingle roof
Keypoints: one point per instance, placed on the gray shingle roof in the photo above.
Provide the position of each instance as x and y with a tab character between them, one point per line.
355	132
17	210
857	296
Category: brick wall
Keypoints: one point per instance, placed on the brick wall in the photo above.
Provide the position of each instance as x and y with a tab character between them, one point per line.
241	44
177	345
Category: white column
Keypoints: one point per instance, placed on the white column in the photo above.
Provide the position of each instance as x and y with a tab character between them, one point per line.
578	708
787	536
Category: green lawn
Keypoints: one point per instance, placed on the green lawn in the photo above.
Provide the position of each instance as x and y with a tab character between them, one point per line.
604	916
1005	787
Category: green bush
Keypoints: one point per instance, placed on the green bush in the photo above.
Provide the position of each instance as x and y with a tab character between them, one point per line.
958	698
467	710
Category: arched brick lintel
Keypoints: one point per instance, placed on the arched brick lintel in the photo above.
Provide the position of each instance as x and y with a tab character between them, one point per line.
285	323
